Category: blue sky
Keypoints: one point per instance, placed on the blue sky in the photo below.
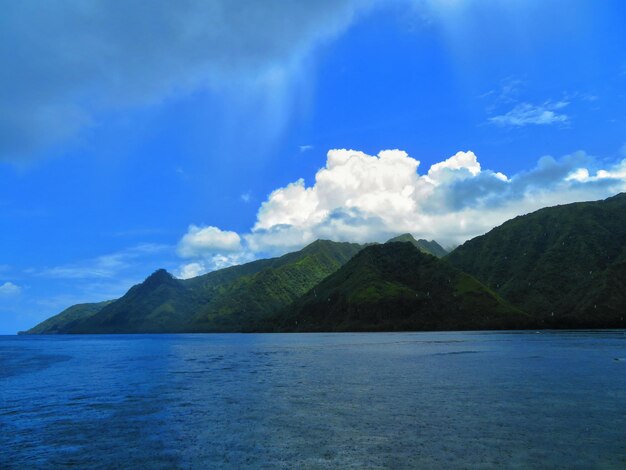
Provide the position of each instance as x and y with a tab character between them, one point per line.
195	135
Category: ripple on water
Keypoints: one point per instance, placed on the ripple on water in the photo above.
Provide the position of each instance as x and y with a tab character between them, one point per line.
429	400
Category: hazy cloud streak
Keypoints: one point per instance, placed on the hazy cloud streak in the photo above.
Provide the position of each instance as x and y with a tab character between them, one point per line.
65	61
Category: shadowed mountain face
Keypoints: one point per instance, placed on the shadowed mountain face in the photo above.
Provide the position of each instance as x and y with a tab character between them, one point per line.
397	287
425	246
231	299
565	265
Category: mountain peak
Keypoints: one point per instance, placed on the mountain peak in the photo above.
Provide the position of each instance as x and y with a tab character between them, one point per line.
405	237
430	247
158	277
319	241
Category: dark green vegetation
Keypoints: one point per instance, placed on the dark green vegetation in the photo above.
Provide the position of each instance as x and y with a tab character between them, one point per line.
425	246
565	265
397	287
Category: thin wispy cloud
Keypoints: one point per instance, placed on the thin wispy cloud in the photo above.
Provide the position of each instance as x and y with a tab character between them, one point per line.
105	266
525	114
86	291
305	148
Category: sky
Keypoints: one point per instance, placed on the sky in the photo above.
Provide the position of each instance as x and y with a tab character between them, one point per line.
195	135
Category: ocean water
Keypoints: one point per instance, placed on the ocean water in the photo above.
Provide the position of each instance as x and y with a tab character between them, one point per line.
378	400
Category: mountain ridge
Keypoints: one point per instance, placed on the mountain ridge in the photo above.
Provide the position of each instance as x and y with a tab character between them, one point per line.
425	246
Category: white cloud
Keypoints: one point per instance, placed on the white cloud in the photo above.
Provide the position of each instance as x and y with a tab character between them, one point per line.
245	197
9	289
351	180
190	270
525	114
582	175
305	148
203	241
360	197
461	165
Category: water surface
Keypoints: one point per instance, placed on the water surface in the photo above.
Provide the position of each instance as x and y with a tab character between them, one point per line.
378	400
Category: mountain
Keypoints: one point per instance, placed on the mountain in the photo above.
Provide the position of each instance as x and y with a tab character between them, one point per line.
425	246
395	286
67	318
231	299
159	304
565	265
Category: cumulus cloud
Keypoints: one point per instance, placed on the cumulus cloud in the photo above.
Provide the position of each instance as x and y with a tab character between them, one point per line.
65	61
525	114
203	241
9	289
582	175
360	197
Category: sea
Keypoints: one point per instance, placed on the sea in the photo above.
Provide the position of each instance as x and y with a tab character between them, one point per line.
349	401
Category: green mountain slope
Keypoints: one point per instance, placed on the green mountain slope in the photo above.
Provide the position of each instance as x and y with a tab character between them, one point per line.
396	287
231	299
246	301
68	317
566	265
425	246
